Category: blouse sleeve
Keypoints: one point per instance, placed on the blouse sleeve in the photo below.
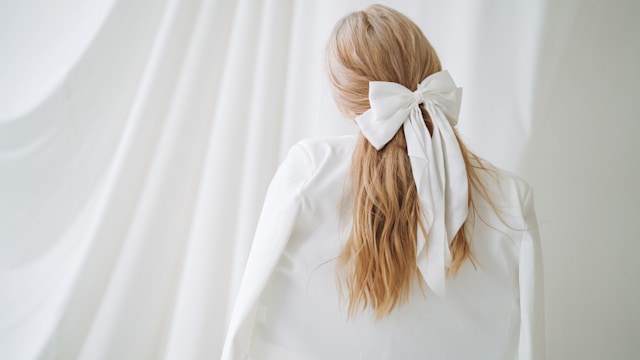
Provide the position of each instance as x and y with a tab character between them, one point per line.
279	212
532	328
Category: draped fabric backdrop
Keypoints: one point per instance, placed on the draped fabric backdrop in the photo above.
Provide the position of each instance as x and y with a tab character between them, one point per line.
137	140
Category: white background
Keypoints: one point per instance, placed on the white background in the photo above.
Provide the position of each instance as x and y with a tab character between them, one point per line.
137	139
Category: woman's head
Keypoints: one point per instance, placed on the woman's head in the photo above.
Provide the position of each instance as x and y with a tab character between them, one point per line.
376	44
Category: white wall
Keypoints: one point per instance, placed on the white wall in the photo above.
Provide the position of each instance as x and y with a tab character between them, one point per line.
583	160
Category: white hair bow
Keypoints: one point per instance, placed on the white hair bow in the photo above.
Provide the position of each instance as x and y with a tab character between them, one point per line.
437	163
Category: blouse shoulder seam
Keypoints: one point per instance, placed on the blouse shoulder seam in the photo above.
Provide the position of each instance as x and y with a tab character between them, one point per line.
310	162
524	204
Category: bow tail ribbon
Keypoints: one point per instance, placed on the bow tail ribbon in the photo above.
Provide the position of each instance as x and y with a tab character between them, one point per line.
430	168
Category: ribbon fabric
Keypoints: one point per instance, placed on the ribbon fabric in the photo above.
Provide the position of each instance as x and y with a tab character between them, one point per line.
437	163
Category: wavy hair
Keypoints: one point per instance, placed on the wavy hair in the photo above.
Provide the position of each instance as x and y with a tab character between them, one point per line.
378	263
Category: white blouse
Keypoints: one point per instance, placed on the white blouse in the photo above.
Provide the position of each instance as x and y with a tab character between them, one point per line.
289	307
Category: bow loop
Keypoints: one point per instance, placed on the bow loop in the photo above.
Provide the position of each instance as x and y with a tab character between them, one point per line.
437	163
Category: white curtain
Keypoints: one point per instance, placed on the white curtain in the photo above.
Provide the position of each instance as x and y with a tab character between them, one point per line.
137	139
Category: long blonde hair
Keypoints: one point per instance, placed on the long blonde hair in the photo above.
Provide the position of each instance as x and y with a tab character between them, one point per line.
378	262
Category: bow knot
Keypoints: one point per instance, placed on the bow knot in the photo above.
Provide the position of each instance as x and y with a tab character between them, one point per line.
437	163
418	97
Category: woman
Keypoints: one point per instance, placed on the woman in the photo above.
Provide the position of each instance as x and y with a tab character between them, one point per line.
398	243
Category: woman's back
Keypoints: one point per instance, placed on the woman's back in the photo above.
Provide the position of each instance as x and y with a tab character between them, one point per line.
300	314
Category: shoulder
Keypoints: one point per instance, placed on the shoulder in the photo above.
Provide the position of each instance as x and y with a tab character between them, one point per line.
325	163
320	148
514	184
312	158
507	193
326	151
503	182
